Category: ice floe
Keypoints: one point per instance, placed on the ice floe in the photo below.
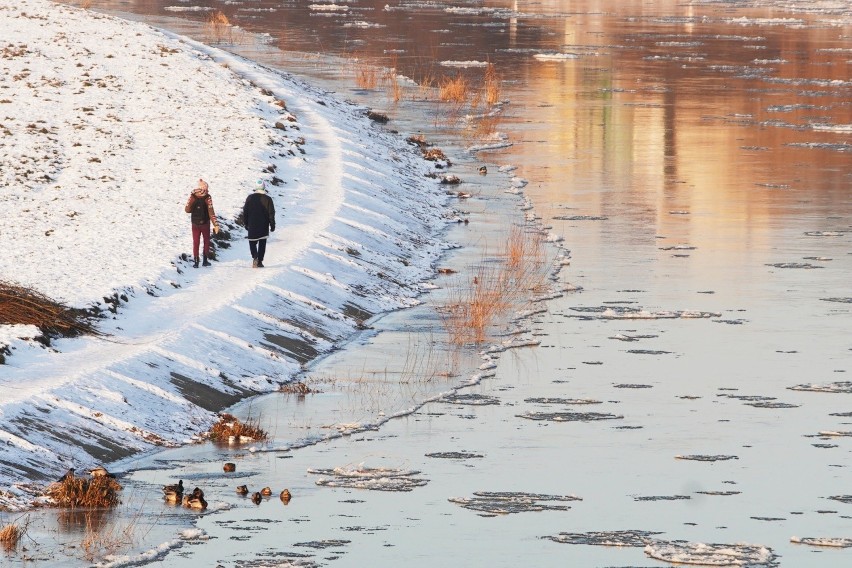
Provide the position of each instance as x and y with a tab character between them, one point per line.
504	503
375	479
697	553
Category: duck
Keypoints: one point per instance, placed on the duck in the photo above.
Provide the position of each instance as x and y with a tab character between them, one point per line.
173	493
256	498
101	471
242	490
285	496
68	475
194	502
483	170
266	491
230	466
197	493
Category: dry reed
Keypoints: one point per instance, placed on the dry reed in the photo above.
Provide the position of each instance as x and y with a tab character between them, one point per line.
220	27
492	85
81	492
453	89
229	427
11	535
366	75
496	289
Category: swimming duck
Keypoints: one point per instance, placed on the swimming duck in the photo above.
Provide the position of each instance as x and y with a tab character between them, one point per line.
483	170
242	490
285	496
230	466
197	493
256	498
194	502
266	491
173	492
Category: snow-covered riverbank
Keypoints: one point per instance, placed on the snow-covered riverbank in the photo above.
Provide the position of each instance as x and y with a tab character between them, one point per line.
106	127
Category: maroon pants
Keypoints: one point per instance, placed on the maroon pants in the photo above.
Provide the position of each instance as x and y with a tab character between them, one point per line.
197	232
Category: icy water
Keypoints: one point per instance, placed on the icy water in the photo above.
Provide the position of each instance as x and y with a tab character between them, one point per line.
688	402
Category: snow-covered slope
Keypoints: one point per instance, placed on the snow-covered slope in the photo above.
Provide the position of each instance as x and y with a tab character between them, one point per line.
106	126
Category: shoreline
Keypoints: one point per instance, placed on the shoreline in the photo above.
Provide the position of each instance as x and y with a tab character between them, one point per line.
156	382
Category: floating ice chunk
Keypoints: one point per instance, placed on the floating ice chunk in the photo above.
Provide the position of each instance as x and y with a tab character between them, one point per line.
328	8
606	538
836	387
464	64
504	503
569	416
706	458
697	553
470	399
555	56
822	541
376	479
194	534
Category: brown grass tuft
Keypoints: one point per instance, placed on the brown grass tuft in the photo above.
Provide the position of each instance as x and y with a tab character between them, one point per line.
20	305
228	426
496	290
366	75
10	536
492	85
220	27
81	492
453	89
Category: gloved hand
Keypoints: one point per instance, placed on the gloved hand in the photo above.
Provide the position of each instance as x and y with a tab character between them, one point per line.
272	228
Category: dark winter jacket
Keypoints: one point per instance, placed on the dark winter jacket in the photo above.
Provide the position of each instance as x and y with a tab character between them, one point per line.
200	205
259	215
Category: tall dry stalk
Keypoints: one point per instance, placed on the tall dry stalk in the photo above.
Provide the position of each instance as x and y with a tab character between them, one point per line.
497	289
366	75
12	533
219	27
453	89
491	85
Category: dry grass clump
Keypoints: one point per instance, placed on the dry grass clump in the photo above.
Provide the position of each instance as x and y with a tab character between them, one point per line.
492	85
220	27
20	305
453	89
11	535
298	387
230	427
366	75
81	492
496	290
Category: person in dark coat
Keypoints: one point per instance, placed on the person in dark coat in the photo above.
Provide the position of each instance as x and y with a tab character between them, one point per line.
259	218
200	206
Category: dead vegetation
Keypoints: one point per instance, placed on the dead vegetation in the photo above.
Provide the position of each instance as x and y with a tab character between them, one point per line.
298	387
497	289
229	428
75	491
219	27
12	533
24	306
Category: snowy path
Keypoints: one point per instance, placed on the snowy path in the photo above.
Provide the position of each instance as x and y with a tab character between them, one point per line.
357	231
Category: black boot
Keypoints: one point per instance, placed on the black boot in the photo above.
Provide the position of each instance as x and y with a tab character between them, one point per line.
195	264
205	263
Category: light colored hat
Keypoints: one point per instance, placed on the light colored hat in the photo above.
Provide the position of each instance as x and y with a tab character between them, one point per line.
260	185
202	184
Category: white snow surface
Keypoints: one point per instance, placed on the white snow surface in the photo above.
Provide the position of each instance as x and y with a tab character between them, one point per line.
105	127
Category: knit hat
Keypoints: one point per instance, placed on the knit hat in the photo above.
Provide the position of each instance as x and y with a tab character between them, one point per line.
260	185
202	184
